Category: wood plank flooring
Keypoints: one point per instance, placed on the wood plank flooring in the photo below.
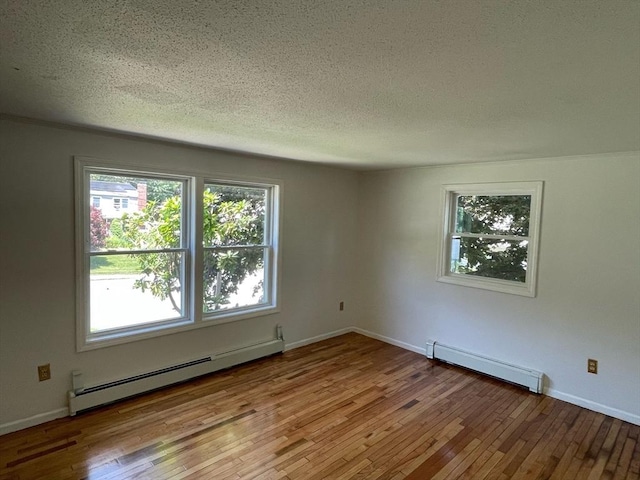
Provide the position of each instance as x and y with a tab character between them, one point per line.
346	408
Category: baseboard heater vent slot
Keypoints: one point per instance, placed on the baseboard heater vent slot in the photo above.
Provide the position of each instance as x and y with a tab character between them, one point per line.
526	377
82	398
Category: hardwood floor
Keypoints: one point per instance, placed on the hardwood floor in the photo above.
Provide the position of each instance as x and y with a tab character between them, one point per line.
345	408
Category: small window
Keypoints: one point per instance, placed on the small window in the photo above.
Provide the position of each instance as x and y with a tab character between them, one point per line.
95	201
116	204
491	236
125	203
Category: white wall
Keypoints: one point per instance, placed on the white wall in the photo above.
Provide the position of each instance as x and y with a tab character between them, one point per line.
588	302
388	223
37	319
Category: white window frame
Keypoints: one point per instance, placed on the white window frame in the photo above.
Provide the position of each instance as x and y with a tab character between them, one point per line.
124	203
96	201
117	204
193	317
449	202
270	262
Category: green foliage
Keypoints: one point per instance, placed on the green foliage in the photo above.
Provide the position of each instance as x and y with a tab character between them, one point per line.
157	226
116	238
493	215
230	219
114	265
493	259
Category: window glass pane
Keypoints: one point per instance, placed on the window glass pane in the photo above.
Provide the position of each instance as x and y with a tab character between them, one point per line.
234	278
493	258
141	213
129	290
493	214
137	251
234	215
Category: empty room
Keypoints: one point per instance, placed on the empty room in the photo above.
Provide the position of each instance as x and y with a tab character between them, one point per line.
320	240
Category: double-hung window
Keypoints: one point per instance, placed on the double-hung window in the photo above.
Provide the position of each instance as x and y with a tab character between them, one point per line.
194	251
490	236
236	247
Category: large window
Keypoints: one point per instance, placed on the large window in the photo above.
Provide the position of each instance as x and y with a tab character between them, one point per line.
193	251
490	236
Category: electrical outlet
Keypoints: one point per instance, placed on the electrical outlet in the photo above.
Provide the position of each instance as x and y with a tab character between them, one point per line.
592	366
44	372
341	306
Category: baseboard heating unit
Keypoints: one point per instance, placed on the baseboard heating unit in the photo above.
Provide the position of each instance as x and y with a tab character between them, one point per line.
526	377
83	398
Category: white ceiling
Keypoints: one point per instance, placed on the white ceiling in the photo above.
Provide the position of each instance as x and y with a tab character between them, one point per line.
361	84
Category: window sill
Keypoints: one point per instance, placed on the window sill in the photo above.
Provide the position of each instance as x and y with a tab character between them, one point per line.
501	286
109	339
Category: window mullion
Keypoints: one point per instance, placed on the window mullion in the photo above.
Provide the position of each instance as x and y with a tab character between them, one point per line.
175	263
267	239
135	252
196	248
493	261
513	238
235	247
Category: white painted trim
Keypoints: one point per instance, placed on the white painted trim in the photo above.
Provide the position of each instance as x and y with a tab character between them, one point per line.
596	407
391	341
579	401
137	384
193	318
447	228
317	338
33	420
532	379
361	331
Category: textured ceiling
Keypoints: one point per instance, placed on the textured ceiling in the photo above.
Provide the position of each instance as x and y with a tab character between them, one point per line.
361	84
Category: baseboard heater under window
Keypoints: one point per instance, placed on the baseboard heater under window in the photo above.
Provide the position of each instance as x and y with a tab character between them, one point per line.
526	377
83	398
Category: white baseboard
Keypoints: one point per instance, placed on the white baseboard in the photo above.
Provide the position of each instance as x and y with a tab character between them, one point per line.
361	331
33	421
596	407
317	338
392	341
109	392
581	402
